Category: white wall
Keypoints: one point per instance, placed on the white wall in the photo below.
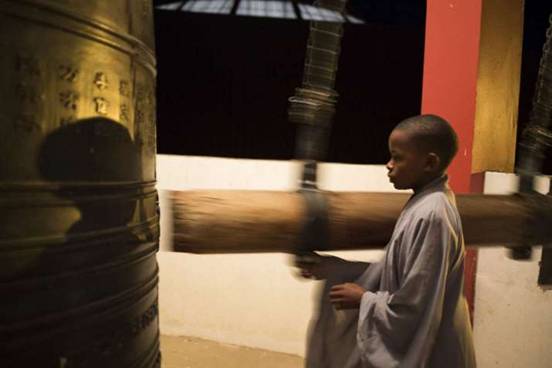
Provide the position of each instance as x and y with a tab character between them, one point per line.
255	300
246	299
513	316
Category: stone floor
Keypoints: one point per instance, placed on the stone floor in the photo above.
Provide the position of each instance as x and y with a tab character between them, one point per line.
188	352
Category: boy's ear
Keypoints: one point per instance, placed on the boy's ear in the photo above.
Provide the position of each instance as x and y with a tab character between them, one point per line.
433	162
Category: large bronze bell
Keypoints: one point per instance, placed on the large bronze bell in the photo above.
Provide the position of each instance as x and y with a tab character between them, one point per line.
78	205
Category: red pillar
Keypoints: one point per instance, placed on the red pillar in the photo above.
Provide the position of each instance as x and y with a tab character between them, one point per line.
451	60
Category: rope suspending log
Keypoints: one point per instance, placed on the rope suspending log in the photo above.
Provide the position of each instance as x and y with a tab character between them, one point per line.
312	109
536	136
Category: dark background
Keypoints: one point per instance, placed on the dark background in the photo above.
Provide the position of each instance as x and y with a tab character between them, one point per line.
224	81
536	22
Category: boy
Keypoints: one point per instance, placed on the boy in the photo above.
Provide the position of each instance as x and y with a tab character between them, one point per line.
408	310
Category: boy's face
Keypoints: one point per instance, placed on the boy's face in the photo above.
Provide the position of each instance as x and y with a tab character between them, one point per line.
409	167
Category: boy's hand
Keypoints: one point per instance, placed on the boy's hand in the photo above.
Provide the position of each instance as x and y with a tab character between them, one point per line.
346	296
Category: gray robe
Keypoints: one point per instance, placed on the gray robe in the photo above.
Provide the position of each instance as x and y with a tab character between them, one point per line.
414	313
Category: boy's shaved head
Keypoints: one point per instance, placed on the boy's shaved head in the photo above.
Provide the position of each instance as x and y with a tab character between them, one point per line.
433	134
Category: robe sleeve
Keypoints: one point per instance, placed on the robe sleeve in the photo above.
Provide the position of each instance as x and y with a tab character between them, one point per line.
400	328
332	334
347	271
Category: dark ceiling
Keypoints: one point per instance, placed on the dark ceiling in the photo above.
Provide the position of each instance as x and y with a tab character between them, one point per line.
224	81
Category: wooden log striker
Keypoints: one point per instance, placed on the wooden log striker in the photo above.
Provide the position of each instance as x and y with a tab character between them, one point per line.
263	221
